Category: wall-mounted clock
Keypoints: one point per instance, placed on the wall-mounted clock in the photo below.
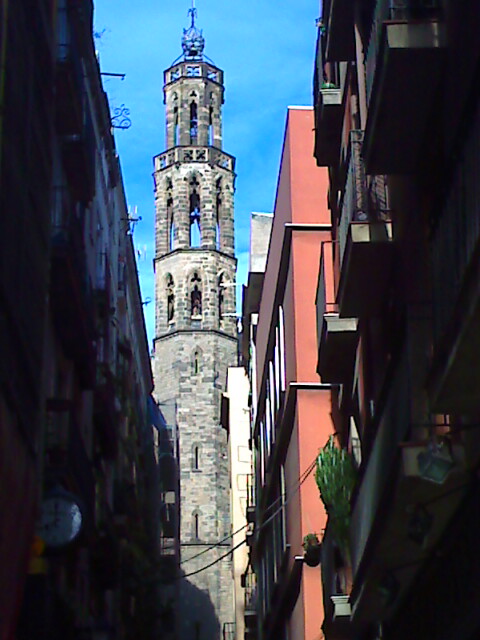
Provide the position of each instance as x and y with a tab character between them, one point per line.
61	518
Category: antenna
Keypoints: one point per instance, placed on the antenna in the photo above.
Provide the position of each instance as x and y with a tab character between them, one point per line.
132	219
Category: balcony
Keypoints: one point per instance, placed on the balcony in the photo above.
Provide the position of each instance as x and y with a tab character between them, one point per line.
327	100
70	290
364	238
398	516
404	62
251	508
337	337
338	20
455	262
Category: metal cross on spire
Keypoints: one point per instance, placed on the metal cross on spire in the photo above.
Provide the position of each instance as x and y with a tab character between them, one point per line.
192	12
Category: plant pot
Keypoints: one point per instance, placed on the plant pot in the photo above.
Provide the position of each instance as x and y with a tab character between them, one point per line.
341	606
313	555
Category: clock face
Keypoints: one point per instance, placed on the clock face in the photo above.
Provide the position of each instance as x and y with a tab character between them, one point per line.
61	520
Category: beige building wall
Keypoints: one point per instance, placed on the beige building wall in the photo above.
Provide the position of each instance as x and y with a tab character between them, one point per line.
240	467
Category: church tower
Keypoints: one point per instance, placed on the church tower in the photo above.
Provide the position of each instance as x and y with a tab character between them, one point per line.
195	326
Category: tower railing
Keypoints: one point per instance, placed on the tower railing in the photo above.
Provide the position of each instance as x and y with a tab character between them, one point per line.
194	153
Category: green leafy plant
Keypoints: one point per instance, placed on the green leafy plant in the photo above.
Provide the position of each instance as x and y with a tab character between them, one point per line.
313	550
310	540
336	477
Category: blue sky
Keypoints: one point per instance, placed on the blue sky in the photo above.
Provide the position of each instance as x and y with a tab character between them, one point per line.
266	49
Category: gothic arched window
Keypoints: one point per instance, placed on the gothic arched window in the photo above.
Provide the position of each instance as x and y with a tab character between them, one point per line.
193	122
176	124
210	120
195	224
170	298
196	296
218	211
170	217
221	298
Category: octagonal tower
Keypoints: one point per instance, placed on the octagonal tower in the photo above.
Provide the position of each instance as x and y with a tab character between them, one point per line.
195	326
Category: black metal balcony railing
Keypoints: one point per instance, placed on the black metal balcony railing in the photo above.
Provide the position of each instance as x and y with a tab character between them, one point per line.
383	461
250	498
396	10
325	297
457	232
365	198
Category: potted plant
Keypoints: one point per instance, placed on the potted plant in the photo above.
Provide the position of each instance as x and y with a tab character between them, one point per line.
336	477
312	550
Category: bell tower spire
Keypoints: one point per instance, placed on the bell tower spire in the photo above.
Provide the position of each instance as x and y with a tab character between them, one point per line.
195	327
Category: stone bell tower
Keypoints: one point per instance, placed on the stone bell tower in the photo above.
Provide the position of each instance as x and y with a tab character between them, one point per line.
195	327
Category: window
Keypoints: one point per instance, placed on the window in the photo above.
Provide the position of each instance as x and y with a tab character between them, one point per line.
193	72
218	212
281	328
196	296
176	124
221	299
170	217
211	110
170	298
196	458
195	224
193	122
196	362
196	525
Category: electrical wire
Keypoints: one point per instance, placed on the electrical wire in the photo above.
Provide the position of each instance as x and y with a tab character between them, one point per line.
298	482
301	480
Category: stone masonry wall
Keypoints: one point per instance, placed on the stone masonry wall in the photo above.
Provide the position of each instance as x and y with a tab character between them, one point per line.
193	348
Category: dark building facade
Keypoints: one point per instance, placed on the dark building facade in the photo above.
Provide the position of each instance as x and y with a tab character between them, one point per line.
397	123
80	480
